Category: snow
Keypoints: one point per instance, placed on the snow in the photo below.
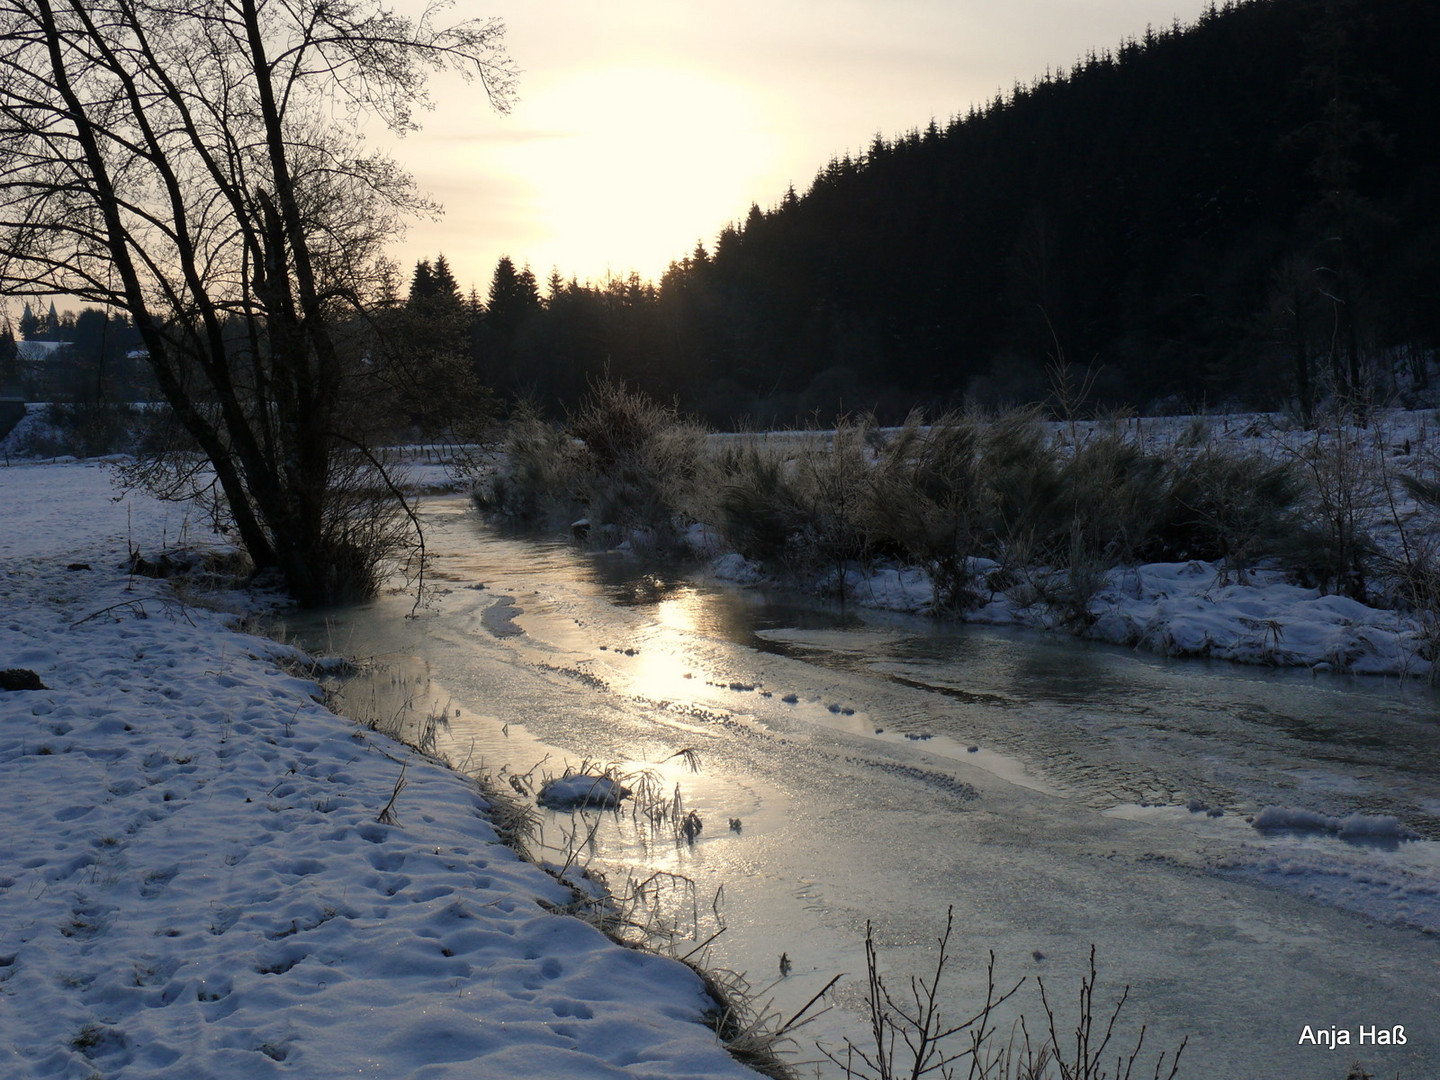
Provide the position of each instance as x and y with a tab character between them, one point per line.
1399	891
582	789
1190	609
194	880
1359	827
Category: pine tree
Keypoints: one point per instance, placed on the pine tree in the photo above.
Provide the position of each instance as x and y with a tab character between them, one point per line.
422	284
1341	211
446	290
9	360
514	295
427	355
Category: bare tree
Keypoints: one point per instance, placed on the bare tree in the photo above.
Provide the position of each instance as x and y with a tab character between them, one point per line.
199	163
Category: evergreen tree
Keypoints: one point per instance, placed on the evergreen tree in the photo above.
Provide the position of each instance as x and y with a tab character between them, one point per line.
9	360
426	346
513	297
91	351
435	298
1204	211
422	285
446	289
1341	213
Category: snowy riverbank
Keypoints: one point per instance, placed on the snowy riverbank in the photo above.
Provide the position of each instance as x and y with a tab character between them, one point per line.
193	879
1202	608
1191	609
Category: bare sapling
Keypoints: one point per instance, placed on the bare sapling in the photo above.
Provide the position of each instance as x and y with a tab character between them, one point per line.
912	1037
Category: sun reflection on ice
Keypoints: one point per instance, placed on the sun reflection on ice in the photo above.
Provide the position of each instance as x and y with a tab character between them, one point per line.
660	671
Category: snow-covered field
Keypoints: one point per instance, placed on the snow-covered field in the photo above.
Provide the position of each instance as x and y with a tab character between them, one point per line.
196	880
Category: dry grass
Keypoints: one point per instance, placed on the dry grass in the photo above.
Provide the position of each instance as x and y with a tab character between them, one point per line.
912	1035
1055	507
625	463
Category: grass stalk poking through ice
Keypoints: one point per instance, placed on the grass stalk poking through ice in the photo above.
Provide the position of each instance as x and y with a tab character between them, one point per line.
912	1037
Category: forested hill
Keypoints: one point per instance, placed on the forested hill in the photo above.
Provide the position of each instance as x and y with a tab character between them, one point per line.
1241	210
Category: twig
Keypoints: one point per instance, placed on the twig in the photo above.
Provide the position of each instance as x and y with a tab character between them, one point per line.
387	815
138	608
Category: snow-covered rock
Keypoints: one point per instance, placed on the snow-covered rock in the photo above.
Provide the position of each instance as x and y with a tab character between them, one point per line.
582	789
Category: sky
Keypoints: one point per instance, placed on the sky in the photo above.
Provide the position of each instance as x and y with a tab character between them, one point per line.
644	126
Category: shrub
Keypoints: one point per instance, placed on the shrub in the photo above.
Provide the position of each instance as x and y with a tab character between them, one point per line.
1226	506
639	461
1021	470
928	500
756	504
834	483
1344	484
913	1034
537	479
1415	572
82	430
620	459
1108	503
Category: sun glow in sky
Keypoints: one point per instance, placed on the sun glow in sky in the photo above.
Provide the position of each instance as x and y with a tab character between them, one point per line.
626	156
642	126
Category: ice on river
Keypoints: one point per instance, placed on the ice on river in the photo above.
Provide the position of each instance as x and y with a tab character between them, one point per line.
887	767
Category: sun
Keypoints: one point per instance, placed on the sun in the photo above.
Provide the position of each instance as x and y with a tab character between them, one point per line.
629	166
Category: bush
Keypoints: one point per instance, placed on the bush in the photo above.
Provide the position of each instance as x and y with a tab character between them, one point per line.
83	430
913	1034
1055	511
928	501
835	481
1225	506
1110	494
757	505
537	480
1021	470
1344	483
620	459
639	461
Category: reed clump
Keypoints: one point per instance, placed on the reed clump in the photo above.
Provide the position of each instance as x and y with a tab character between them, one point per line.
983	501
620	466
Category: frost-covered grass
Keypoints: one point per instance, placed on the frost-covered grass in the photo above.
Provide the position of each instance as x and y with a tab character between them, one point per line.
203	872
1238	537
622	463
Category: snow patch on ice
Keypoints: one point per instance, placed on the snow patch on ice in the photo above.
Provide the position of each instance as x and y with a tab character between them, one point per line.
582	789
1351	827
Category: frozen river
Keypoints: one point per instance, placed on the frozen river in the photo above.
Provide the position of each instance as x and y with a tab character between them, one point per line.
1057	795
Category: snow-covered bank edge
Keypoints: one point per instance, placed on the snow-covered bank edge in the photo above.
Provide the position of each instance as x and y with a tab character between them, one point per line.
1358	474
1190	609
195	878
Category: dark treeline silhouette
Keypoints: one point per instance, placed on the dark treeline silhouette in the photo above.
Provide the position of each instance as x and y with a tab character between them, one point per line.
1240	211
96	357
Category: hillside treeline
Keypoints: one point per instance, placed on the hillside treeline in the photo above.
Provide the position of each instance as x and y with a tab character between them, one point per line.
1239	211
